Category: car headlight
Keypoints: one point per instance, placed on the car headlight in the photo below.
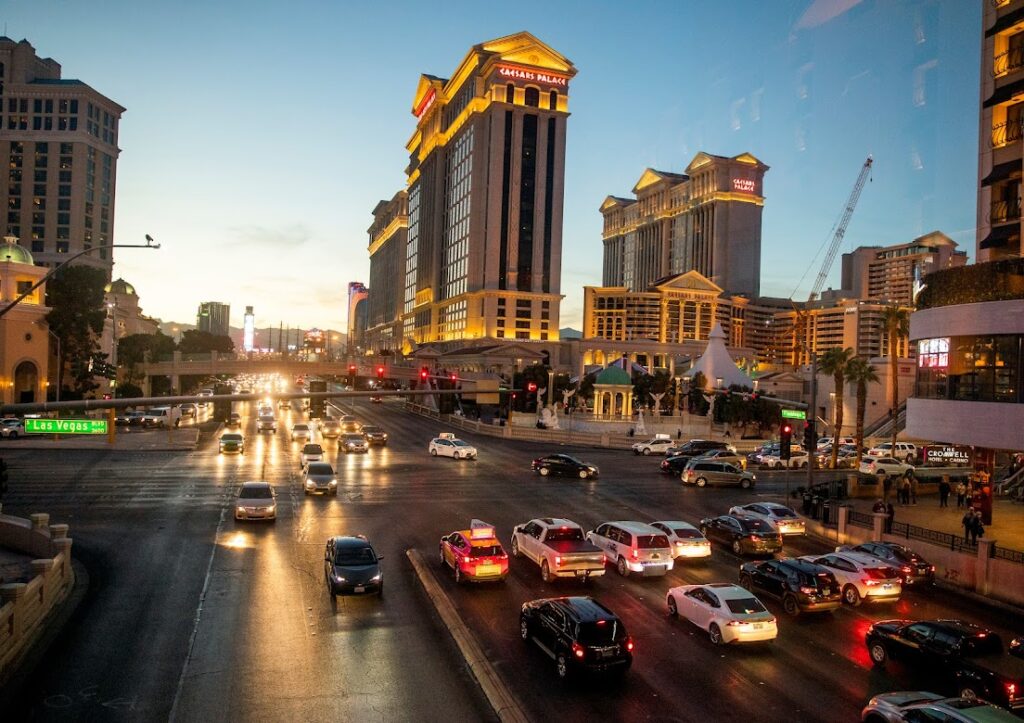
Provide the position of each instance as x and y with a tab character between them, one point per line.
240	509
334	481
309	483
375	578
271	508
338	578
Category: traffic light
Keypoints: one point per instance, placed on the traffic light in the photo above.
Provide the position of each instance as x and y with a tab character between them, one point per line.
424	374
785	440
531	387
453	377
380	372
810	437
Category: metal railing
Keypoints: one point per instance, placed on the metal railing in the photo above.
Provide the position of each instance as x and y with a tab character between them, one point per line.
948	540
1003	134
1004	210
1007	61
1004	553
861	519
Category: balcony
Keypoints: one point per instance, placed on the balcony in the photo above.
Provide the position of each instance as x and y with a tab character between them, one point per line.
1000	3
1003	134
1008	62
1004	211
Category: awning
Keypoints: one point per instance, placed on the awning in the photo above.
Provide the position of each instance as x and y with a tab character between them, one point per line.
999	236
1001	95
1007	21
1002	171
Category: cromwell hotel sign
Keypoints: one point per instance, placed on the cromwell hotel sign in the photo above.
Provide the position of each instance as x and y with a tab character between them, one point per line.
481	253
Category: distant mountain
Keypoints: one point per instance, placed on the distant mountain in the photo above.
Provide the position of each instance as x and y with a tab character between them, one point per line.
570	333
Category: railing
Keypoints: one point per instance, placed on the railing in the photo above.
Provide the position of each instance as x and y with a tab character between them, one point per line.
1003	553
1003	134
861	519
1001	211
882	427
943	539
1007	61
1011	483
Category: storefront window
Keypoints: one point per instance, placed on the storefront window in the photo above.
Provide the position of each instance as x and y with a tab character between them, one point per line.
970	368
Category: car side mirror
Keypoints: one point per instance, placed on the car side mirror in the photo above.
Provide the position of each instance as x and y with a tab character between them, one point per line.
379	558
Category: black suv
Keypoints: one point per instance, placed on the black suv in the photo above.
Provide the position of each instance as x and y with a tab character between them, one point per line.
578	633
802	586
695	448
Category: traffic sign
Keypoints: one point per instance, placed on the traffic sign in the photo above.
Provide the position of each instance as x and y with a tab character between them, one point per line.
794	414
65	426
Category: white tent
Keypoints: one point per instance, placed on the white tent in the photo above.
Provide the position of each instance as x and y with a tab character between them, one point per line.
716	364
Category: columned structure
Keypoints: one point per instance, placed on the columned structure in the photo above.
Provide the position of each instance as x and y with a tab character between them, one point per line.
24	334
613	393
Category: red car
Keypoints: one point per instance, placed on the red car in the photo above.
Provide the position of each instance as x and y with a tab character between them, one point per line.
475	554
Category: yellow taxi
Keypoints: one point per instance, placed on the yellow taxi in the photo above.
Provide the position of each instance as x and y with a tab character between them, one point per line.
475	555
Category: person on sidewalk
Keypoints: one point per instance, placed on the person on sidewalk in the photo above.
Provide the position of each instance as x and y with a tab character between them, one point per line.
879	506
890	513
968	522
977	529
913	487
905	491
961	493
943	493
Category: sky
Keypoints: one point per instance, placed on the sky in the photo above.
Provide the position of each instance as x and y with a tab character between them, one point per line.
259	136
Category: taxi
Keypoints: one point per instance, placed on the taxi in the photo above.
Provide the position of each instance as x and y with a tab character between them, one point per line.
447	444
475	555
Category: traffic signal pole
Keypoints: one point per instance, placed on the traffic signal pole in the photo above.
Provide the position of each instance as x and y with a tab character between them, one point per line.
812	419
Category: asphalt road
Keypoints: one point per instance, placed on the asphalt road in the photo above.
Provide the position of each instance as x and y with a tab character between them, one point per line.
192	613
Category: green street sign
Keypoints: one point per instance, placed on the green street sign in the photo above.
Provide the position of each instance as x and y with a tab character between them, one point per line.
65	426
794	414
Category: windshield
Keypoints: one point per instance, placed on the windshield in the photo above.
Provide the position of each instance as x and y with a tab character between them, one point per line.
685	533
312	449
371	430
572	534
756	526
485	551
231	438
301	428
355	556
600	632
260	492
353	438
745	606
320	468
650	542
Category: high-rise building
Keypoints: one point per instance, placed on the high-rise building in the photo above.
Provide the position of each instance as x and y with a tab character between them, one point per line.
59	139
485	188
706	220
213	317
1001	140
389	234
248	330
896	273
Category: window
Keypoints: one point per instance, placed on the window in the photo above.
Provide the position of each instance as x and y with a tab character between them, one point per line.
553	100
532	97
970	368
37	246
510	93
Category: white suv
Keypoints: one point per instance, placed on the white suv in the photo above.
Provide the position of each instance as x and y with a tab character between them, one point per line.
885	465
862	578
658	445
634	547
904	450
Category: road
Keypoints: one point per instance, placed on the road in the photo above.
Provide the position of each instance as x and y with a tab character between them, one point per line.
192	613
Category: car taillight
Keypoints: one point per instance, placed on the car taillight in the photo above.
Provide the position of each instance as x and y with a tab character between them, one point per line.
629	644
466	560
869	582
1011	689
931	568
635	553
577	650
907	568
558	560
807	590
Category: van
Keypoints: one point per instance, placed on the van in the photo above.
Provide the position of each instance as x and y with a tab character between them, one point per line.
162	417
634	547
702	472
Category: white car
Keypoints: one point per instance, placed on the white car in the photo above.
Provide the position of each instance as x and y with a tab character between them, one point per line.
301	432
904	450
685	539
726	611
862	577
311	452
885	465
659	444
784	519
12	428
256	501
451	447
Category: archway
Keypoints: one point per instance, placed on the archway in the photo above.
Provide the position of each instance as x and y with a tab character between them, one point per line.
26	381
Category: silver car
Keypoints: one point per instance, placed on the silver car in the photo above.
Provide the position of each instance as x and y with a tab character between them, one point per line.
353	443
923	706
319	477
311	452
702	472
256	501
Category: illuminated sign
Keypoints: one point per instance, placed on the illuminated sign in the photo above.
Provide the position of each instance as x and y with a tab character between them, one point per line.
508	71
745	185
65	426
794	414
933	353
428	100
948	454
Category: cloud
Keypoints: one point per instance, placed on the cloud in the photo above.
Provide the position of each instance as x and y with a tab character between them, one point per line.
260	237
823	11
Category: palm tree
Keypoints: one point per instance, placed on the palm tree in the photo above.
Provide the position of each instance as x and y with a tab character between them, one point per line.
834	362
896	322
860	373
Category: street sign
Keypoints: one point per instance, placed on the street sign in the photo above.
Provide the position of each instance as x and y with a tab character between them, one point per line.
794	414
65	426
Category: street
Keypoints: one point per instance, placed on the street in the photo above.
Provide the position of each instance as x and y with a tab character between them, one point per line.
193	615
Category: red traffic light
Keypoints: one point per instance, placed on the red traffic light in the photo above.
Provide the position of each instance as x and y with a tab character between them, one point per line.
531	387
424	374
380	372
453	377
787	428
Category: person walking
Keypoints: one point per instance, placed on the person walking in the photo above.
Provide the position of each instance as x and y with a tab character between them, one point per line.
968	522
944	493
961	494
905	491
890	513
977	529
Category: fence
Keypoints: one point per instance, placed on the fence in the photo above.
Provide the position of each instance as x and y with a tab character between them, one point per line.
1004	553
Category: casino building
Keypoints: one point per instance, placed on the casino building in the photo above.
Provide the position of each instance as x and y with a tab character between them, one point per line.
482	217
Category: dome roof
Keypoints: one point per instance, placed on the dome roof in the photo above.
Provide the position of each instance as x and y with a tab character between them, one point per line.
120	286
12	252
613	375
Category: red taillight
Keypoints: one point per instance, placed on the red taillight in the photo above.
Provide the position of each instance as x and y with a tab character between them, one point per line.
577	650
558	560
635	553
1011	689
629	644
869	582
466	560
907	568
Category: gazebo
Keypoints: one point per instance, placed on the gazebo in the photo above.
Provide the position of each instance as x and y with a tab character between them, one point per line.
613	388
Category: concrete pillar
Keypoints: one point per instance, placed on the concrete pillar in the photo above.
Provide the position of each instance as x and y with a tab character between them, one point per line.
878	525
982	581
12	592
40	521
176	384
41	567
843	520
851	485
147	386
58	531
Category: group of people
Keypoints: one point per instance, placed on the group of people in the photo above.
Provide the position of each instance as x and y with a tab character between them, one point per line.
973	527
888	510
945	488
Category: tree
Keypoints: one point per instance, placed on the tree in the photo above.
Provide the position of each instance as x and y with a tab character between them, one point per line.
77	312
834	362
696	403
860	373
896	322
194	341
133	350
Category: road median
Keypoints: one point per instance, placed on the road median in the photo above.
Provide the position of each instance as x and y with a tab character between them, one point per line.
498	694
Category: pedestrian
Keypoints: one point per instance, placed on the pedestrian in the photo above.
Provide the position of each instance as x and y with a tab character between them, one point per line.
905	491
961	494
968	522
890	513
679	433
886	484
944	493
879	506
976	528
631	431
913	486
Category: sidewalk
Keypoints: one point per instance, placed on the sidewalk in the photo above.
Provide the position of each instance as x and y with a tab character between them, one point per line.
1007	527
182	439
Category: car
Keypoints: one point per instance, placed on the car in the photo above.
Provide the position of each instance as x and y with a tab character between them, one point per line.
135	418
801	586
474	555
256	501
743	535
231	442
797	460
301	432
697	447
266	423
284	404
702	473
319	477
913	569
12	428
352	566
656	445
564	465
375	435
376	399
578	633
189	409
330	428
448	445
684	538
904	451
234	421
861	578
264	408
311	452
559	548
727	612
785	519
121	419
634	547
350	423
162	417
723	455
829	441
353	442
675	465
923	706
886	466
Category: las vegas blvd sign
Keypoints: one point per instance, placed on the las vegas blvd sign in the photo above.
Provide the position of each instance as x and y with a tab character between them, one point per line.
65	426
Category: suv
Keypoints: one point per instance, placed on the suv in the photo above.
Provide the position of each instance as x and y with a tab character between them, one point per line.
697	447
702	472
579	633
904	451
267	423
634	547
802	586
658	444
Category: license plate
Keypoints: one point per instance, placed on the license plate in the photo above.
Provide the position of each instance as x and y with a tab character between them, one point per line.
758	626
581	573
487	569
360	588
887	586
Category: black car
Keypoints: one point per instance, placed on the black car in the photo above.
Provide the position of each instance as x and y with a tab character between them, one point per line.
565	465
744	535
351	565
578	633
914	569
695	448
375	435
675	465
955	656
802	586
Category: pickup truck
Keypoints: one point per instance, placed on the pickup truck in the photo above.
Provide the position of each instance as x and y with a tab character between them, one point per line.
559	547
963	658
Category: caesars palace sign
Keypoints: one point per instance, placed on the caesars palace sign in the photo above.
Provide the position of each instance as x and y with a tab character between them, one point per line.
508	71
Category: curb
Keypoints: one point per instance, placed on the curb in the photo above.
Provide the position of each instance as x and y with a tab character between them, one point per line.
498	694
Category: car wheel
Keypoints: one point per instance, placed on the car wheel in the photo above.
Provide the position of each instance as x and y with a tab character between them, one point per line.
737	547
803	465
745	582
790	606
456	455
562	666
879	655
524	629
433	453
701	482
621	567
584	474
515	548
545	572
673	608
544	471
715	633
745	483
851	596
647	452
